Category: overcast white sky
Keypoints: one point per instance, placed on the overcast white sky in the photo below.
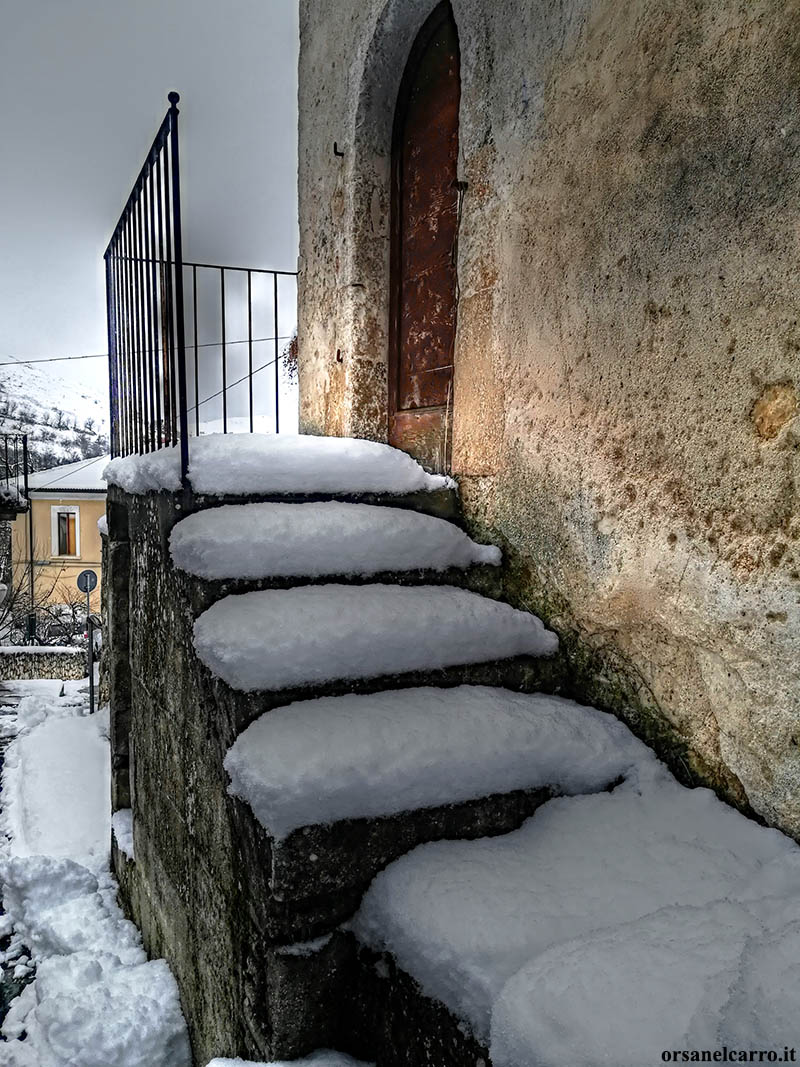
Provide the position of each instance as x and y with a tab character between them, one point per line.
83	87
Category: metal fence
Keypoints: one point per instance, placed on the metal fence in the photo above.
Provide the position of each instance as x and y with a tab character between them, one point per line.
187	341
13	474
235	337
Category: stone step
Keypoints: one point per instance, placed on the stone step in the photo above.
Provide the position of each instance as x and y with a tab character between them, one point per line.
317	540
241	548
342	785
312	635
601	907
199	594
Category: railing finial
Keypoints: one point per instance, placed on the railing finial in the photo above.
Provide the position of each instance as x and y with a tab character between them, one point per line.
173	97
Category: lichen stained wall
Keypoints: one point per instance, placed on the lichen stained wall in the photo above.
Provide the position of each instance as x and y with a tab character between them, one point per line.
626	382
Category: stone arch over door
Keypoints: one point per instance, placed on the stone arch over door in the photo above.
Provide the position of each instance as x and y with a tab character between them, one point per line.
364	287
424	214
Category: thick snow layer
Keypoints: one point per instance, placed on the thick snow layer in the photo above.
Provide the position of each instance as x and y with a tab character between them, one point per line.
320	1058
95	999
681	978
122	825
277	639
316	761
465	917
260	463
265	540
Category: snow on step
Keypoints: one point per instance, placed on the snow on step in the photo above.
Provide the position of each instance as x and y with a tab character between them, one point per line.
320	1058
276	639
593	922
316	761
681	978
222	464
271	540
122	827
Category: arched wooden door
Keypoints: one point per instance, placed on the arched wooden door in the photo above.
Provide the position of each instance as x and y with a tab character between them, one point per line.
424	228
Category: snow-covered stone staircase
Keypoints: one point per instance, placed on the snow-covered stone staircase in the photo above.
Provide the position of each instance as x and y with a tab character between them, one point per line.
387	728
336	631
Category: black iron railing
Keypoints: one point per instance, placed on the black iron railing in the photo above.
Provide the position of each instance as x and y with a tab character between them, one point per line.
13	474
145	306
235	337
188	342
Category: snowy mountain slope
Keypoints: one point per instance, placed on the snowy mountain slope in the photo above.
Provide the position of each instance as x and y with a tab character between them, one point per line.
65	420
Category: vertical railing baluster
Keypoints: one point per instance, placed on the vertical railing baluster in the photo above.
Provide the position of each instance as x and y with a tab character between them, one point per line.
131	356
275	332
154	318
224	353
196	357
146	323
112	375
142	303
179	309
169	363
163	375
250	345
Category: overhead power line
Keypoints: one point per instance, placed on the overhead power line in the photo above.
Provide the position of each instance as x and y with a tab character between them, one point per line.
12	360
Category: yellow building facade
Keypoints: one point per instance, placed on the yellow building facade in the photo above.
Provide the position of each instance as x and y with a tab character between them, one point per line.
59	537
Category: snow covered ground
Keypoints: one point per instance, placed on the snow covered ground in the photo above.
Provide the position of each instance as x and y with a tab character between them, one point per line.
95	1000
276	463
315	539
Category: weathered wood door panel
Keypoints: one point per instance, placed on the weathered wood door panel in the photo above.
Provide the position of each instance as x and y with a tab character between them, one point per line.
424	229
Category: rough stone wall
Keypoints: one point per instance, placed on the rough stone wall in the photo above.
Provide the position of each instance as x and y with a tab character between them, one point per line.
64	663
626	382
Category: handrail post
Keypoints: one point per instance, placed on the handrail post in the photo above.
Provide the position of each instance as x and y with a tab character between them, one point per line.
180	326
112	359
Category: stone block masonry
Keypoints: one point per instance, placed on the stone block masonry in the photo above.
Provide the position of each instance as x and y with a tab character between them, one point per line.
19	662
208	887
625	396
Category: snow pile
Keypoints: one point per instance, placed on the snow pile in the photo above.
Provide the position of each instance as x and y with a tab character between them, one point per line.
320	1058
276	639
95	1000
122	826
353	756
102	525
264	540
260	463
608	928
93	1010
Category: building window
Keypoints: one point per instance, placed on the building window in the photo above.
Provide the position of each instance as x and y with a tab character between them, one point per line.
65	529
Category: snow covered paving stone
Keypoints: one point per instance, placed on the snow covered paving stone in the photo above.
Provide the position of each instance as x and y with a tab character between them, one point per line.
356	756
96	1000
606	929
221	464
283	540
277	639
